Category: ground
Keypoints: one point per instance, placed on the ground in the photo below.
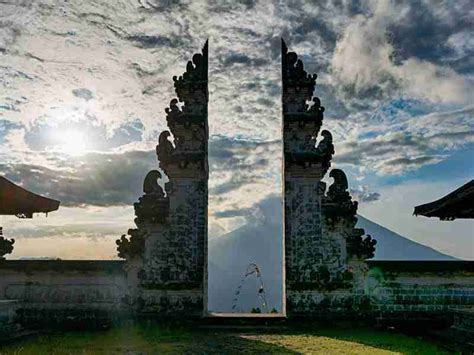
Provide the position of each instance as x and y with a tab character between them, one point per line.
155	339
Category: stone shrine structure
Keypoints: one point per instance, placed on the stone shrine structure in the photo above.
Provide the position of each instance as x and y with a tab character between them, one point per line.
164	273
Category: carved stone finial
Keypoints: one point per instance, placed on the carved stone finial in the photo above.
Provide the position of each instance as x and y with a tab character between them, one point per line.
150	184
316	109
359	247
164	149
173	110
338	204
326	149
368	247
129	248
195	77
6	246
153	206
298	88
339	207
293	69
340	184
302	121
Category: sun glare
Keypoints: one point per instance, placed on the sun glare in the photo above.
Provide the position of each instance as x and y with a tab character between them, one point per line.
72	142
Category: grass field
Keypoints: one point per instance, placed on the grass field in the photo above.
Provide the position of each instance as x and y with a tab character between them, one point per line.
141	339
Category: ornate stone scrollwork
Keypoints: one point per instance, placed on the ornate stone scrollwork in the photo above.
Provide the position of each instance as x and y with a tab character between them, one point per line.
6	245
153	206
293	69
191	87
339	186
302	120
196	69
187	122
359	247
173	111
129	248
316	112
150	184
338	203
323	247
316	107
309	155
326	149
338	207
164	149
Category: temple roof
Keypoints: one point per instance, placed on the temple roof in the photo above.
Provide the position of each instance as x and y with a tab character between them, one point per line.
457	204
15	200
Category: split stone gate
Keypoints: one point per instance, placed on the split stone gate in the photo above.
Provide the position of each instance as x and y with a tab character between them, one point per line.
323	249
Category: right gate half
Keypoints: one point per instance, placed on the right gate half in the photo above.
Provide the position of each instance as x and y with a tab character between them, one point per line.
324	252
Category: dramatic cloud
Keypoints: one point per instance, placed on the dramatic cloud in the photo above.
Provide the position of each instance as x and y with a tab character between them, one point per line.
364	60
93	179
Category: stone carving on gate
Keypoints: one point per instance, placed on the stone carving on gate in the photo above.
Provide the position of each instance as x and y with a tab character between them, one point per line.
339	208
6	245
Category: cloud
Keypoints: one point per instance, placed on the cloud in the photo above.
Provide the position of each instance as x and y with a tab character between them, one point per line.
83	93
438	33
76	230
402	164
93	179
364	62
409	142
109	179
364	194
6	127
13	17
8	35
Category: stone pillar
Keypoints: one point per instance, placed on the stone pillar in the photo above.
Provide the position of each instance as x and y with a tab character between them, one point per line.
173	224
316	231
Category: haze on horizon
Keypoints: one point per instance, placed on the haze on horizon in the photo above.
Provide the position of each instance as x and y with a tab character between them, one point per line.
83	87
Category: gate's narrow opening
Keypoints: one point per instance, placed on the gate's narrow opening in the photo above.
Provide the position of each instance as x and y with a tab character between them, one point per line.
245	246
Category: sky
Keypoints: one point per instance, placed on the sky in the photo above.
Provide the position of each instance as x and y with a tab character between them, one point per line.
84	85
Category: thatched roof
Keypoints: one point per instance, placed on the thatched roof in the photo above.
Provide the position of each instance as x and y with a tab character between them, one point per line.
15	200
457	204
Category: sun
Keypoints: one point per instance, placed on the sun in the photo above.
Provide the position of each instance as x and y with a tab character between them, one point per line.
72	142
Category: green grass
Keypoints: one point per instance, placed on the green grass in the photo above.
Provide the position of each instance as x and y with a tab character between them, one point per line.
141	339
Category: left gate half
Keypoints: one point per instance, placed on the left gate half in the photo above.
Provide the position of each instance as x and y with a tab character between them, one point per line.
167	253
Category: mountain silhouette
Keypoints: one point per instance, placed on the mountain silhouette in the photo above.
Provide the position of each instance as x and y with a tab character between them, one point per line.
393	246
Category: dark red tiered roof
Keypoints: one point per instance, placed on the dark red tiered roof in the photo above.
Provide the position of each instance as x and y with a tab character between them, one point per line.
15	200
457	204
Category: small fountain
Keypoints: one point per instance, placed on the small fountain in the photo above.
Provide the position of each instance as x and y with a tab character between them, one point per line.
252	269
